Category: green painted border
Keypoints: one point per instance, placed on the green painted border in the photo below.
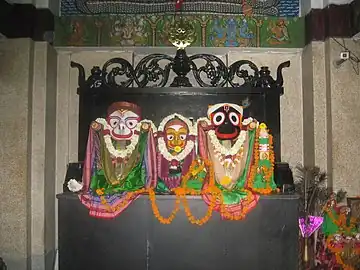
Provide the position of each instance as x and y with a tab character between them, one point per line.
210	31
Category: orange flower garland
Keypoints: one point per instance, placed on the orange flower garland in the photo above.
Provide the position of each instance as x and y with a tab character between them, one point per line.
341	221
196	167
268	172
180	193
183	191
194	220
337	251
342	224
156	211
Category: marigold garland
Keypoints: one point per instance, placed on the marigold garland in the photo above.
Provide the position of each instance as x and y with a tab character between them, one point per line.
181	192
337	251
194	220
341	221
156	211
196	167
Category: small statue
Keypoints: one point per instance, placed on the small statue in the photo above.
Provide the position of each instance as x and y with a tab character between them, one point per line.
337	219
241	153
119	160
175	150
342	238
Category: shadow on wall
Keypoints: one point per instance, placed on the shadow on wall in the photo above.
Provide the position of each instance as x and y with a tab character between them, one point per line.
2	264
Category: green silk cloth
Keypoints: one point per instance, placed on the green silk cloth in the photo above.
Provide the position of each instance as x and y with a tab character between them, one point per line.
235	195
161	187
239	192
134	177
328	226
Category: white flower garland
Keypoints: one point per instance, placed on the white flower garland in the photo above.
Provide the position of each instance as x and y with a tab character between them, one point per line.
223	150
189	144
129	149
235	149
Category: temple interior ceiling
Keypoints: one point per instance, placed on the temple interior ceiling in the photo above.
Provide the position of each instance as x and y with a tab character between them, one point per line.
279	8
216	23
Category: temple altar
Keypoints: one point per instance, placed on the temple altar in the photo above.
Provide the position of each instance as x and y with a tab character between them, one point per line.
149	191
266	240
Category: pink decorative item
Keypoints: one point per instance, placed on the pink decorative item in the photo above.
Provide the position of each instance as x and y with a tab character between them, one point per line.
314	223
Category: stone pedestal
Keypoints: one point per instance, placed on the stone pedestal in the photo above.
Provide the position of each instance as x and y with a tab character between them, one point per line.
266	239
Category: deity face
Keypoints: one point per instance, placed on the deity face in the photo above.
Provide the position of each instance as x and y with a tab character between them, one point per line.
123	118
176	134
226	119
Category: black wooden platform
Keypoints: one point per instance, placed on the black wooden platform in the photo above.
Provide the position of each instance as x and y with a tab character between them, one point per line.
266	240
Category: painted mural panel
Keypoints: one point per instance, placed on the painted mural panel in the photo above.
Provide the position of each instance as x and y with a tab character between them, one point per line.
152	30
278	8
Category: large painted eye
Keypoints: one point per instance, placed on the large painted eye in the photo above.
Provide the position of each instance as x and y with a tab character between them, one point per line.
170	137
182	137
114	122
234	118
219	118
131	123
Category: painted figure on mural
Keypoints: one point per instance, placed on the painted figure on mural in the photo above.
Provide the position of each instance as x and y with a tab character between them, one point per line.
231	40
246	35
129	32
278	32
232	33
163	35
218	34
77	34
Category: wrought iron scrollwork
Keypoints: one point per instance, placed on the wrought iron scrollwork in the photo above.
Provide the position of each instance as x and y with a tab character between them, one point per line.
154	71
256	78
214	69
149	70
120	68
243	74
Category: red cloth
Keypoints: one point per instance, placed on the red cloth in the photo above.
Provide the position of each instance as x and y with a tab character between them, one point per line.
178	4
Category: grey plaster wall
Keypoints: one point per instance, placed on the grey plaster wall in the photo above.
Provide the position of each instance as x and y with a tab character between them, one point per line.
16	58
345	118
28	79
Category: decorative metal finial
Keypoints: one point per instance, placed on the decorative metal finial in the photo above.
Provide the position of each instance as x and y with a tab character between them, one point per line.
182	34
